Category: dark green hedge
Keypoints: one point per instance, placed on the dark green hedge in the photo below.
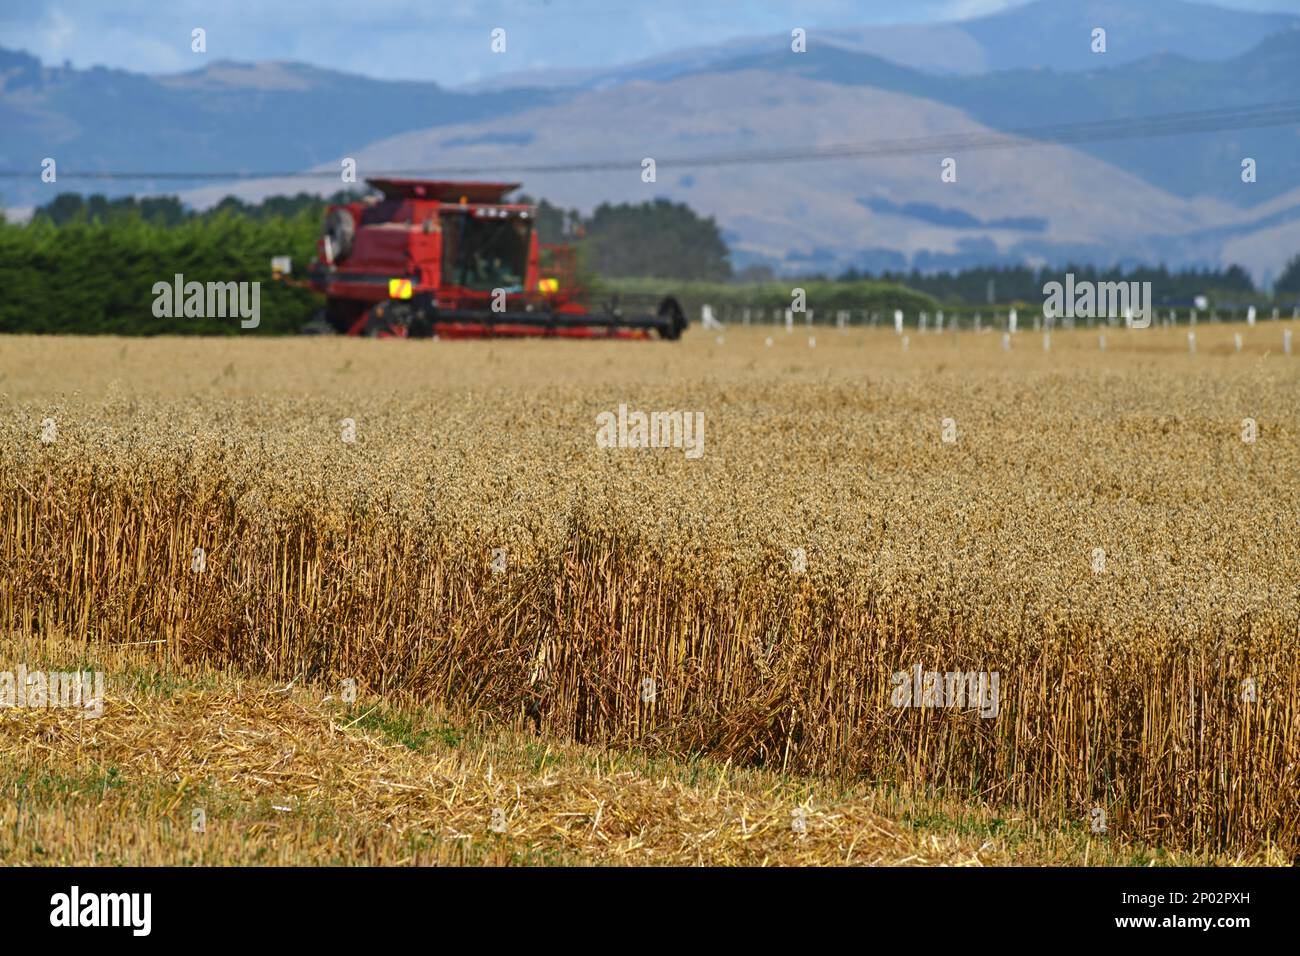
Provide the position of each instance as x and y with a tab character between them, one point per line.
99	278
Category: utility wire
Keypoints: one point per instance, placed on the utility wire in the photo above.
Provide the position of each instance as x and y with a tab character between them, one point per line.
1168	124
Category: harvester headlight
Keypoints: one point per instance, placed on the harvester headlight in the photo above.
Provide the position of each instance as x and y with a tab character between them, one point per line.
399	288
549	286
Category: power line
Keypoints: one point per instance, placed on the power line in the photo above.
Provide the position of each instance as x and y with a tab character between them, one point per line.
1169	124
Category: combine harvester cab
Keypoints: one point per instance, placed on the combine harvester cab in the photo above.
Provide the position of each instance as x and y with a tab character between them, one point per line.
454	260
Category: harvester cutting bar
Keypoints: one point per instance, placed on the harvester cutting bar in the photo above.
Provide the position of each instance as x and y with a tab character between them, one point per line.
475	330
419	317
558	321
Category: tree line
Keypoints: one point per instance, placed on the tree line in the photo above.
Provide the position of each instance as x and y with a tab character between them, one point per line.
97	275
1025	283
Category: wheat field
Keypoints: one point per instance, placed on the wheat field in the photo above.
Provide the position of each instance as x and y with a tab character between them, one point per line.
1114	534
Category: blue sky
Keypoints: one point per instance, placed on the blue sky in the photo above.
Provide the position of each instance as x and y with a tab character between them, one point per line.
442	40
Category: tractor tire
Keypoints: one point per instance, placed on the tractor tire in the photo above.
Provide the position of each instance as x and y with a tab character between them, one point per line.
340	230
671	310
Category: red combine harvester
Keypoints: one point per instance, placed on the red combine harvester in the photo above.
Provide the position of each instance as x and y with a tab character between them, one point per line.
452	259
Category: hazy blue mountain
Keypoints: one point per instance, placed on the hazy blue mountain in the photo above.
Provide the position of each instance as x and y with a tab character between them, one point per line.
1053	34
1206	164
286	116
1057	33
1048	203
225	116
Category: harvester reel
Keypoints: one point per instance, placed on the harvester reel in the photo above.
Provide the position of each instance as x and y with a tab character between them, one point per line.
340	231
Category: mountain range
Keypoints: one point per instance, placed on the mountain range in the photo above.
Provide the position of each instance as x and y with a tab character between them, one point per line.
1178	199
